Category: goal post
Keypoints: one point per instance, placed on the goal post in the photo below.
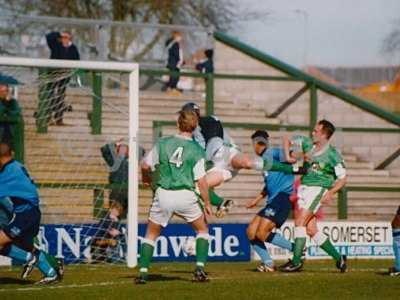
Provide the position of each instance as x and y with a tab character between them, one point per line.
26	71
133	186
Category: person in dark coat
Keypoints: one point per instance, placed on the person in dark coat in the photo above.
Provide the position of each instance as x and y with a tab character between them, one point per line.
61	47
206	65
9	107
175	61
117	159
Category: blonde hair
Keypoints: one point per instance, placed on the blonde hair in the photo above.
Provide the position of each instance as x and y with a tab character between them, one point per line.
175	34
187	121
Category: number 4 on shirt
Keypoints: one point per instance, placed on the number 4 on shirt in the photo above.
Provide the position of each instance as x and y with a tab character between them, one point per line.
176	158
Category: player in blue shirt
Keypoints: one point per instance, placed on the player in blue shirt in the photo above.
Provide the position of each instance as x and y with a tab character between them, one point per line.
395	270
278	188
19	204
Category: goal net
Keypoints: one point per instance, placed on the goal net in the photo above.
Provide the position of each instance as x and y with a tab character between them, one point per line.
80	145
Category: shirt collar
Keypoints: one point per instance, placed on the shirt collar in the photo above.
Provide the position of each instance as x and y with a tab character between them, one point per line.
184	137
5	165
265	150
322	150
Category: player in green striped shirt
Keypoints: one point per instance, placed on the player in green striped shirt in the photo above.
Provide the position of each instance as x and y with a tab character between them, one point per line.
326	175
181	166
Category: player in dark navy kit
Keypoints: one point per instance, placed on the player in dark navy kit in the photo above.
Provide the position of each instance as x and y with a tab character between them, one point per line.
19	203
222	154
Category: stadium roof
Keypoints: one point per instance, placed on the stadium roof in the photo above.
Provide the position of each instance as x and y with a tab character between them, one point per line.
355	77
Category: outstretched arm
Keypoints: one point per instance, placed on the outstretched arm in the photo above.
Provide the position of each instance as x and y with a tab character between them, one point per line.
52	39
286	150
149	164
146	174
252	203
108	153
327	197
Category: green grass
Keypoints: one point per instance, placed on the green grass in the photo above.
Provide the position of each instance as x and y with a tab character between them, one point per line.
319	280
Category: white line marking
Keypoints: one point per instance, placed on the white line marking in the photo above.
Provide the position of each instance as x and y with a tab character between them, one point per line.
53	287
108	283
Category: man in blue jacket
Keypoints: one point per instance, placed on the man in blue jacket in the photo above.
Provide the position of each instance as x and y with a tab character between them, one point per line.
8	108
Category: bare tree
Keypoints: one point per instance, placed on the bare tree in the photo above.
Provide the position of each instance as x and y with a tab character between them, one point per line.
391	43
221	15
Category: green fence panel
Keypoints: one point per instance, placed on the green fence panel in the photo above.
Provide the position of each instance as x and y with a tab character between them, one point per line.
96	114
313	107
210	94
342	204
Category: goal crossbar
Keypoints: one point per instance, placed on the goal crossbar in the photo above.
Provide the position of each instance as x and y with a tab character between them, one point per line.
68	64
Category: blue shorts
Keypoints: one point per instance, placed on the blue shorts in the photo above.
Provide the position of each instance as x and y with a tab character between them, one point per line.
24	226
278	210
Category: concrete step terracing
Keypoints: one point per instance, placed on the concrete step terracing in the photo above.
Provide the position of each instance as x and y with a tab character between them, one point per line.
71	154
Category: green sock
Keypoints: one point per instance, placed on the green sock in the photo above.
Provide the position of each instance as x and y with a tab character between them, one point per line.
201	250
214	198
146	253
52	260
299	244
330	249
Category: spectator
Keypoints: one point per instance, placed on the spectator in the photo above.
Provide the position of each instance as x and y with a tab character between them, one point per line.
206	64
8	108
61	47
116	156
175	62
109	232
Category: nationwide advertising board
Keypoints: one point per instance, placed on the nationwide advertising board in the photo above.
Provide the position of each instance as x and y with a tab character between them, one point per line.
228	242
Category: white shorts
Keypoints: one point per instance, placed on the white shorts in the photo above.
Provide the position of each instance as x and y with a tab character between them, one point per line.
222	161
309	197
166	203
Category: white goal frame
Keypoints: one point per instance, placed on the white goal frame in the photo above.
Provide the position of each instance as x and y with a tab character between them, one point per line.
133	70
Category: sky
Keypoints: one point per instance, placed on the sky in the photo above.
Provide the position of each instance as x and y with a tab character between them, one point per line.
322	32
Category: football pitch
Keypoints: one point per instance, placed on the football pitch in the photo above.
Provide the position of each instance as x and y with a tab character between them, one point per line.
366	279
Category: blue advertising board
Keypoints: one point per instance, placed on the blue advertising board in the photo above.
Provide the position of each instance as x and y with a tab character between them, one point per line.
228	242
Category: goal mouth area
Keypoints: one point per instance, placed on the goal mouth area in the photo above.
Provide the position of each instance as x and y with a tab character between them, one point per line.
74	115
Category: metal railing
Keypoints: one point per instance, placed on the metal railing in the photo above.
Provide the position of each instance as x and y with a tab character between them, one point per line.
342	203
